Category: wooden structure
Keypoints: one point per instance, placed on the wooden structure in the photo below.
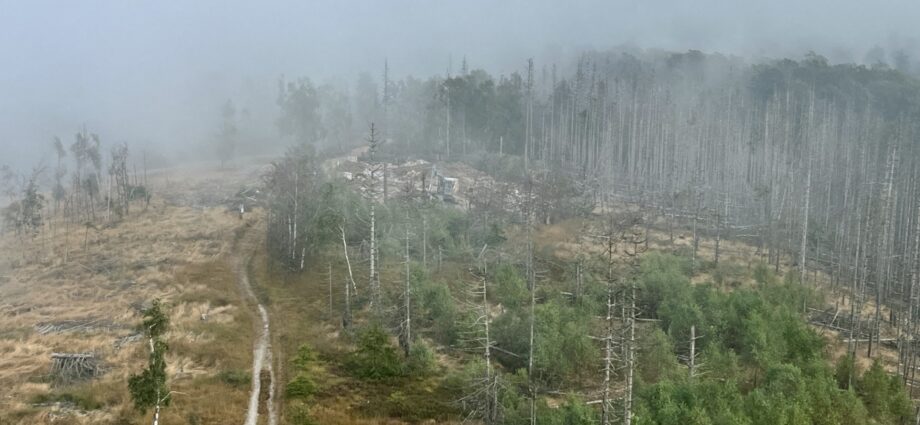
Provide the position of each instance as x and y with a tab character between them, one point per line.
72	367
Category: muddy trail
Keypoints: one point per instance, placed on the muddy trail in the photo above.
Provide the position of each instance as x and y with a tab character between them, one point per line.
262	393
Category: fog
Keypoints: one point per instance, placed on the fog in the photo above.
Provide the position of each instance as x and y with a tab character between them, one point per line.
156	73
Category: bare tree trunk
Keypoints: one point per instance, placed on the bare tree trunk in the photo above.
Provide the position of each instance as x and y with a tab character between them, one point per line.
533	302
156	410
692	351
374	281
351	277
491	393
608	339
346	313
448	121
718	237
696	218
330	290
408	344
630	356
425	241
608	357
805	224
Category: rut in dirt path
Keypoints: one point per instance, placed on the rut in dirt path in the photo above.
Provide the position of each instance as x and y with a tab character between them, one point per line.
261	400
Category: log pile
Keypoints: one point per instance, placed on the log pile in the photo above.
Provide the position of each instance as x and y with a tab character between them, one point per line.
71	367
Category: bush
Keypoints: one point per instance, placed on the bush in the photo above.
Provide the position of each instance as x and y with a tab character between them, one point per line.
301	386
375	358
421	361
763	275
304	357
510	288
436	309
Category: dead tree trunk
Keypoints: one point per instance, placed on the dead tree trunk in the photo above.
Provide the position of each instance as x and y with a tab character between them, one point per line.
407	345
606	406
630	355
374	280
351	277
531	280
330	290
696	218
608	358
805	224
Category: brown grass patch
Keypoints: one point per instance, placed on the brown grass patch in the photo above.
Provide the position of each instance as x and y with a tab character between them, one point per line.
179	253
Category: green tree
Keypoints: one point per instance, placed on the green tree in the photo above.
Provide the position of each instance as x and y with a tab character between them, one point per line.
300	111
420	362
435	309
883	395
148	389
510	288
845	371
657	359
302	385
375	357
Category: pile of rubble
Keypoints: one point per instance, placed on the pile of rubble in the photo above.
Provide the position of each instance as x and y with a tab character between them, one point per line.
454	182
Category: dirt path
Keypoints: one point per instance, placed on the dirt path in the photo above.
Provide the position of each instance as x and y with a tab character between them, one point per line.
261	400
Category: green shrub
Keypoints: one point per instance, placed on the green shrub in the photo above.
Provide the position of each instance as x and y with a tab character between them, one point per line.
763	275
375	358
421	361
301	386
436	310
304	357
510	288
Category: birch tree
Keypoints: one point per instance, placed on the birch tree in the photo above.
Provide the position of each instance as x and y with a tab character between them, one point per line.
149	388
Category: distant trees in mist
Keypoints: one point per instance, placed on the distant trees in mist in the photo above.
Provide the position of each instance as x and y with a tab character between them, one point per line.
817	165
777	149
99	189
229	133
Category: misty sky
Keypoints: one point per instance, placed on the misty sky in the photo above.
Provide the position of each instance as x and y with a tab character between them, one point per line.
157	72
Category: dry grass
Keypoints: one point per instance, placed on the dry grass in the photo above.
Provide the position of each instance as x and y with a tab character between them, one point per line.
89	283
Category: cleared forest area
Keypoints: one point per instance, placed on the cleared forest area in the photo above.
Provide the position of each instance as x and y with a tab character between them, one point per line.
80	287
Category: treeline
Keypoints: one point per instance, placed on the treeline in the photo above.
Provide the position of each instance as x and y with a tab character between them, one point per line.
815	164
89	190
